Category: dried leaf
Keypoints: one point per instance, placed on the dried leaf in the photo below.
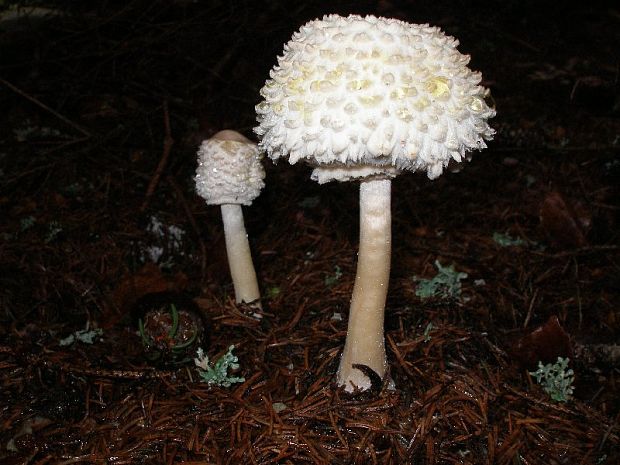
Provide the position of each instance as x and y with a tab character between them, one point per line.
545	343
148	280
565	223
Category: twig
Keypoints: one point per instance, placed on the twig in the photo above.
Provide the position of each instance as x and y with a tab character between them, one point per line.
579	251
45	107
168	142
554	149
98	372
66	367
530	309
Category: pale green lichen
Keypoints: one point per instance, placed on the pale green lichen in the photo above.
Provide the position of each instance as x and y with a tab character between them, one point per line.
555	379
86	336
332	279
218	373
446	284
505	240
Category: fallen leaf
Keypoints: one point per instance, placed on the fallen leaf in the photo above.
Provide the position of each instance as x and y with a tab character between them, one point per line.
565	223
545	344
148	280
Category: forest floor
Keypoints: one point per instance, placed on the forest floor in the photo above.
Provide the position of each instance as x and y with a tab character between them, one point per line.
102	108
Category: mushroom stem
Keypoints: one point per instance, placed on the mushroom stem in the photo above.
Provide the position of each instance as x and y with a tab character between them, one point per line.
239	256
365	343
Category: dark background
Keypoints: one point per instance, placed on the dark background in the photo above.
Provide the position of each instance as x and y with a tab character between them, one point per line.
102	108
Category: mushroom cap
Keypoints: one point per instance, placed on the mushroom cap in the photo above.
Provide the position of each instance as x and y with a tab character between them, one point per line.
229	169
361	96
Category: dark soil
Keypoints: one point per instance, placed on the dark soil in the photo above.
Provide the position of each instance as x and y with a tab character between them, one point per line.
102	108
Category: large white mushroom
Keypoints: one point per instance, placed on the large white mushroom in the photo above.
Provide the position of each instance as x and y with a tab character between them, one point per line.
367	98
230	174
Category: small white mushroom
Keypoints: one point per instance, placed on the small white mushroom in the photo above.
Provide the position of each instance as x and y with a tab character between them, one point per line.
230	174
367	98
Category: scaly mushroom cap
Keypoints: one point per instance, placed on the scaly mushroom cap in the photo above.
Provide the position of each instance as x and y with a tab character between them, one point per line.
360	96
229	170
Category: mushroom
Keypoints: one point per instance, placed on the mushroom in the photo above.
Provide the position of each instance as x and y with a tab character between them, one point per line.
367	98
230	174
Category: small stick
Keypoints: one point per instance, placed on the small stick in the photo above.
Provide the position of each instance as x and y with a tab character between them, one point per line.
168	142
39	360
530	308
45	107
